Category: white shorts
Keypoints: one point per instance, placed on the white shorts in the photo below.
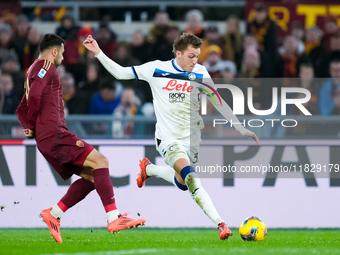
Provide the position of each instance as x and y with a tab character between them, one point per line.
172	150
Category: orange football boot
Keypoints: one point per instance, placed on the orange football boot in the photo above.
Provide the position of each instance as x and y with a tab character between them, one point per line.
52	223
142	174
123	222
224	231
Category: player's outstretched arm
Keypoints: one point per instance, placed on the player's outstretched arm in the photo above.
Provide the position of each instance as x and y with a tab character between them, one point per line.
228	114
119	72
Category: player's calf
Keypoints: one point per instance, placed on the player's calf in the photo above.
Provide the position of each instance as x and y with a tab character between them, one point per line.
190	178
199	194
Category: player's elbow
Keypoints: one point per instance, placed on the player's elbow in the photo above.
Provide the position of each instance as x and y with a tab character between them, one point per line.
123	73
18	111
120	76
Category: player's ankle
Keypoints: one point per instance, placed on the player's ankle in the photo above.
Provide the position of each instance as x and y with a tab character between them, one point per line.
149	167
112	215
56	212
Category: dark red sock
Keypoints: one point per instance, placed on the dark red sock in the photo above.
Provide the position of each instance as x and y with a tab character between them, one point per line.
75	193
103	185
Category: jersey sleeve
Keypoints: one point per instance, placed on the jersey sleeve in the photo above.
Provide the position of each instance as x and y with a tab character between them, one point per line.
119	72
21	114
39	77
144	72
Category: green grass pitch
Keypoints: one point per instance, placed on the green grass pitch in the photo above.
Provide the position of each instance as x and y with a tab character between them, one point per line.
167	241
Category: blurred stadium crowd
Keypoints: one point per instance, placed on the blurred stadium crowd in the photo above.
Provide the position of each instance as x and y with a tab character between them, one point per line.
88	89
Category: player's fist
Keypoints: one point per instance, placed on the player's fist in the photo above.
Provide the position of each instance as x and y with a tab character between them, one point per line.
30	134
92	45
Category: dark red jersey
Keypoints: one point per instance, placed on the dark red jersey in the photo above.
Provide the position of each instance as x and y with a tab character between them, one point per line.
41	108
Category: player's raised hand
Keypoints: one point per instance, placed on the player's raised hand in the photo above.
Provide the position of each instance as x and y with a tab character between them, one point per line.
92	45
252	135
30	134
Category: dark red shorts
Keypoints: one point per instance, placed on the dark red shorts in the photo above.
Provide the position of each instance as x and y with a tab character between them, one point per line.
66	153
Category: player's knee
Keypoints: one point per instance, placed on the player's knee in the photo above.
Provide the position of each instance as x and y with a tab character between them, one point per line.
102	162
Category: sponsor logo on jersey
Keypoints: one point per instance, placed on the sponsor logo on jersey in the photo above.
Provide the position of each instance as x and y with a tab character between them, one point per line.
80	143
165	74
176	97
192	76
173	85
42	73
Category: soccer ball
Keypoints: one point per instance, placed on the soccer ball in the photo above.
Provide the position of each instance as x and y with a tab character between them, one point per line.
253	229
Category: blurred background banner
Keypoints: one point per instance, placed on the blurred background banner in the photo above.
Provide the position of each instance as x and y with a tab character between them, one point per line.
295	199
285	14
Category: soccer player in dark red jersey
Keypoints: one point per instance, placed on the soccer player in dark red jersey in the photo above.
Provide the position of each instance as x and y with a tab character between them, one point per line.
41	113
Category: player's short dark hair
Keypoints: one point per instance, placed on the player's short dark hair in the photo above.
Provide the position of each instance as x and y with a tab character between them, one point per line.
183	42
50	40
